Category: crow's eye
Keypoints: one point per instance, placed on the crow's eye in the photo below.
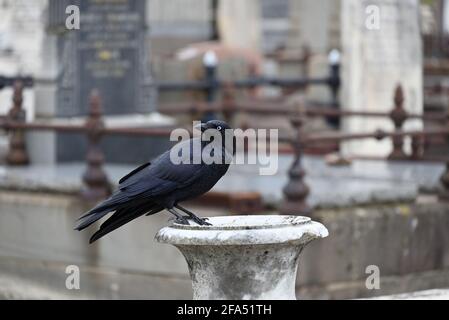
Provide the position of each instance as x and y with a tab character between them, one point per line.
218	128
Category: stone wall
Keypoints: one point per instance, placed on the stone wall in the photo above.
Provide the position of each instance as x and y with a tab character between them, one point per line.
406	241
37	242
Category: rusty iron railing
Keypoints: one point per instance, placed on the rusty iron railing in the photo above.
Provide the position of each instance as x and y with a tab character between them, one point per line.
95	180
295	192
229	108
17	154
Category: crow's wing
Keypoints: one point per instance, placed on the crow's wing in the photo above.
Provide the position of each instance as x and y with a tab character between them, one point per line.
161	177
143	166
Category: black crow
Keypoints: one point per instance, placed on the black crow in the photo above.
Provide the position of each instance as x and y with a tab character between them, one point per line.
164	183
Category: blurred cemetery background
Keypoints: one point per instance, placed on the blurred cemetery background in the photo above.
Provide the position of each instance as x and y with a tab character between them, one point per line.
361	106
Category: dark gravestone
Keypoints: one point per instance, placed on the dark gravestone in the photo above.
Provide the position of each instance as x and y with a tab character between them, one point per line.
109	53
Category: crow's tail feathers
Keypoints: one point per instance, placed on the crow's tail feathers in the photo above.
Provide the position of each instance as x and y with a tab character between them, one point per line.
122	216
100	210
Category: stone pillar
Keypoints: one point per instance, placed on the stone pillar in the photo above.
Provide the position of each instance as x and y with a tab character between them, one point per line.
243	257
445	15
381	45
315	24
239	23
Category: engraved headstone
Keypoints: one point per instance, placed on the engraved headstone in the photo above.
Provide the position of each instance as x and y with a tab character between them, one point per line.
109	53
381	45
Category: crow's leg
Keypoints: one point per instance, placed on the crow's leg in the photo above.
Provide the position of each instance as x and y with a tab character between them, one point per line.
200	221
179	217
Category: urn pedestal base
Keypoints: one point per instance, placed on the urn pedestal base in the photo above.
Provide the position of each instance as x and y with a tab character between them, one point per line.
243	257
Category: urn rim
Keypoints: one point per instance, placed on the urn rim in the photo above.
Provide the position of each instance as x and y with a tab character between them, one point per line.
245	230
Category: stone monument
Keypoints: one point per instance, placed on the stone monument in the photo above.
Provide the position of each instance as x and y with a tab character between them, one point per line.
108	52
381	45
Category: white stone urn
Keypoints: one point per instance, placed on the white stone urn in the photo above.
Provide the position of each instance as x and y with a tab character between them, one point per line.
243	257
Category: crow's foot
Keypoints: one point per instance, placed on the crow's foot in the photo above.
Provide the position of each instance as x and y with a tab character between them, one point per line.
194	217
200	221
182	220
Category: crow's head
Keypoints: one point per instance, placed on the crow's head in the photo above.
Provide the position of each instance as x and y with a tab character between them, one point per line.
218	125
213	128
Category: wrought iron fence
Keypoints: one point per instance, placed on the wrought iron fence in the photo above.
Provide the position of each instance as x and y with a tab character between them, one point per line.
295	192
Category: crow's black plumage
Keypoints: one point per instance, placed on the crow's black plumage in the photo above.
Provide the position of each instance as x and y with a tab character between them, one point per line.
162	184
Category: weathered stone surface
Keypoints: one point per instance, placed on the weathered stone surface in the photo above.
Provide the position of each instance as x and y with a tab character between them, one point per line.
22	278
376	58
390	285
243	257
437	294
402	240
40	226
406	241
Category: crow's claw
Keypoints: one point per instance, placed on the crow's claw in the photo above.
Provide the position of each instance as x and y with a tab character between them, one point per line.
182	220
201	221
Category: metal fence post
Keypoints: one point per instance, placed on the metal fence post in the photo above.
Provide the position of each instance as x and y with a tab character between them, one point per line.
444	193
296	190
96	182
417	147
17	153
398	115
334	84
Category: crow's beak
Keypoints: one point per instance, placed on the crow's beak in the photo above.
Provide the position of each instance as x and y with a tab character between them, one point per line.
202	127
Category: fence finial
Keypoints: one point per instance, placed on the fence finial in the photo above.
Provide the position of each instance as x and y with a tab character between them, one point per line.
17	153
398	115
96	182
